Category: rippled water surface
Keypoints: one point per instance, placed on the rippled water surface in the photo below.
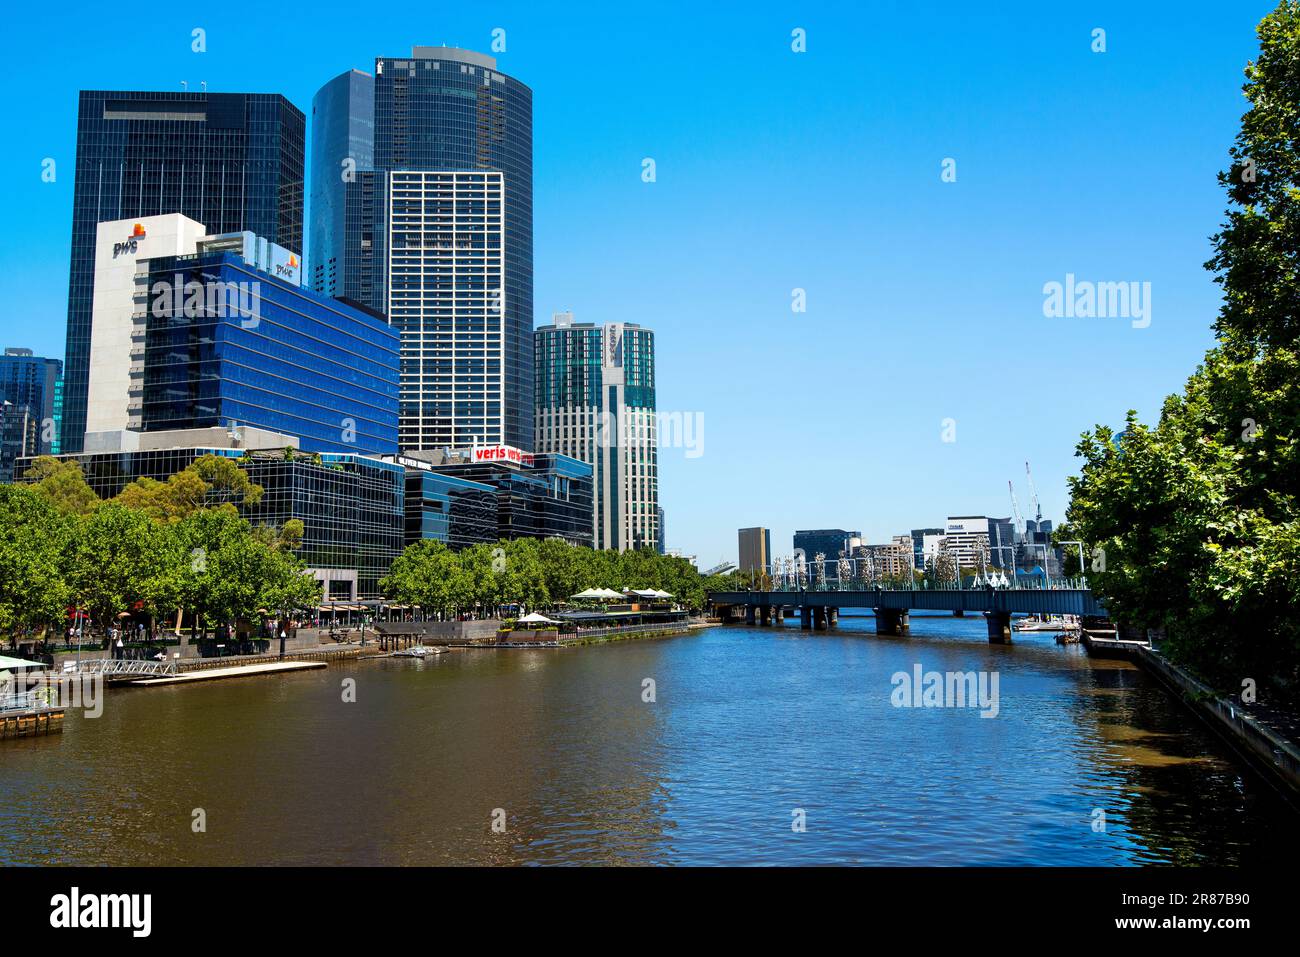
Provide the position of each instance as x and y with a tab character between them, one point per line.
749	726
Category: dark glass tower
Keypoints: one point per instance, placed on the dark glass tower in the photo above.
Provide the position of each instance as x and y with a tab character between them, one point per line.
232	161
342	143
467	347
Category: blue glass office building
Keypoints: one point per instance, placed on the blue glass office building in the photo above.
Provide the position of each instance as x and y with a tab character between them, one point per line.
30	392
447	509
442	110
342	143
302	364
233	161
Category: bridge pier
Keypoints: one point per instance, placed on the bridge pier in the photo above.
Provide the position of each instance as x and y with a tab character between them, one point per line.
959	613
749	615
805	617
999	626
832	617
779	614
892	621
819	618
765	615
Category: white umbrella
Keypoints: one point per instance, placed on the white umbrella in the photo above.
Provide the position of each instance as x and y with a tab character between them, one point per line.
589	593
535	619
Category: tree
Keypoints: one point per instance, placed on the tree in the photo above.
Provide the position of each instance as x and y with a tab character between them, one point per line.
63	484
1194	524
210	481
121	561
33	536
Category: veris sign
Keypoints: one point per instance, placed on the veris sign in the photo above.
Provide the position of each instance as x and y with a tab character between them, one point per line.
131	244
503	453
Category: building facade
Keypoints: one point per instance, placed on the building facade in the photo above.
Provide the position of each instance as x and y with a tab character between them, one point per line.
920	548
233	161
755	549
31	399
831	542
438	236
541	495
192	331
447	509
342	142
596	402
966	539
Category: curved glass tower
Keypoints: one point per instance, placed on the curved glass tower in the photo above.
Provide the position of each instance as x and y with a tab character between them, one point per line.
438	235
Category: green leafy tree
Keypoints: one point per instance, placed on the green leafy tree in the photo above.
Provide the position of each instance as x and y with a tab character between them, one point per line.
1194	524
33	537
63	484
120	560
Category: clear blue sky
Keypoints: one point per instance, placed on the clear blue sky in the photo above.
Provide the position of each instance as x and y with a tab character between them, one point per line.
778	170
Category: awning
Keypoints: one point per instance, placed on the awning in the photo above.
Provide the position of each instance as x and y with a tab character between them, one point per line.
17	664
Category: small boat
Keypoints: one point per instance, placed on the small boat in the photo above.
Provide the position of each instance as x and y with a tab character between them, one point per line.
419	651
1044	624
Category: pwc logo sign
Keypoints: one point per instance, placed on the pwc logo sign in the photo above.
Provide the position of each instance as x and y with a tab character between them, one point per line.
288	270
131	244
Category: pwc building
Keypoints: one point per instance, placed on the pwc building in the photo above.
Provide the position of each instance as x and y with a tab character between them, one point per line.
422	179
231	161
191	330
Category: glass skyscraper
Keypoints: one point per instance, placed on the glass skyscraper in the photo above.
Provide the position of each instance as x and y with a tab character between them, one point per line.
595	402
30	393
342	142
438	237
233	161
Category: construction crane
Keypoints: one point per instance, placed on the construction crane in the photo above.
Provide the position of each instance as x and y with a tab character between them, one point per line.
1015	509
1033	495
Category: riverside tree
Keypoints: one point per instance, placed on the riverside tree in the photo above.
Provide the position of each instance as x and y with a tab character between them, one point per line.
1194	522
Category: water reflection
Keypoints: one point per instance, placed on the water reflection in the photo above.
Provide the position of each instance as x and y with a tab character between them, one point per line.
750	726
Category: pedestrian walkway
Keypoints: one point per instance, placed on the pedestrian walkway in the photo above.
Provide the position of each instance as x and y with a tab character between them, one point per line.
238	671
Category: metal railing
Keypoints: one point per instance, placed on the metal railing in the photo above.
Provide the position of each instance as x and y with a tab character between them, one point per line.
861	574
24	700
118	666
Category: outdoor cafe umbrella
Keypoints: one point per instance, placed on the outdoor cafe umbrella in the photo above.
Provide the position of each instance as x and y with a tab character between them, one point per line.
589	593
534	618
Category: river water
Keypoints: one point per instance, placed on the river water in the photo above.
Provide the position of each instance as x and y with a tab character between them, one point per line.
760	746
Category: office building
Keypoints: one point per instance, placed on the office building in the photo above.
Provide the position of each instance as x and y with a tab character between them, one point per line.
342	142
233	161
1002	543
447	509
596	402
191	330
352	506
542	495
831	542
31	399
755	549
662	545
920	548
891	561
966	539
438	237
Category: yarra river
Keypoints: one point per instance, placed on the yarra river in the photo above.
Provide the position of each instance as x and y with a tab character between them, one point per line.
748	727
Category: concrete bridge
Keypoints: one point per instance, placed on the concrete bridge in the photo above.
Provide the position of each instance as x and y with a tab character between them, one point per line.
820	609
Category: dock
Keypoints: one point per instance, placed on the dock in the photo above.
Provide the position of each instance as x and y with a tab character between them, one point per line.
236	671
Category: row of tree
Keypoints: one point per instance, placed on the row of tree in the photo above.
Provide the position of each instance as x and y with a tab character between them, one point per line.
537	574
154	550
1194	523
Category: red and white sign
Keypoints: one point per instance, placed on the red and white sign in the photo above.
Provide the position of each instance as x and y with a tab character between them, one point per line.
503	453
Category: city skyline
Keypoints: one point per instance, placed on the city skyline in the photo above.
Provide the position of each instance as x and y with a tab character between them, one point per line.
609	244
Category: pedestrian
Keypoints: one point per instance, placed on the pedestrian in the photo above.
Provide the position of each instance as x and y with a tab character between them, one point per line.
119	650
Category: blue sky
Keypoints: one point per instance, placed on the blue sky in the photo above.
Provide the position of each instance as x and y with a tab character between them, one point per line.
779	170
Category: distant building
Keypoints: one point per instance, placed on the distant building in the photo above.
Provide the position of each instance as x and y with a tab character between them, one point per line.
966	539
891	560
191	331
596	402
919	546
755	549
662	545
31	398
831	542
1002	543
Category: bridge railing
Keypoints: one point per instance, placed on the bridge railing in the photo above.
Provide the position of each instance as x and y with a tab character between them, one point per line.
118	666
866	575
